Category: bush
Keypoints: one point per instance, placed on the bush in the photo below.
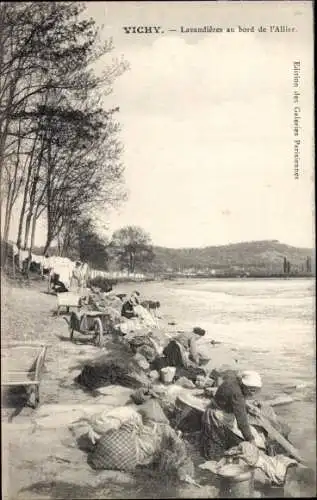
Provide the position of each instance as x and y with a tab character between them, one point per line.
104	284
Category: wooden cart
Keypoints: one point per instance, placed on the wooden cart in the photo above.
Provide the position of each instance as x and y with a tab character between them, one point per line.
94	323
22	366
67	300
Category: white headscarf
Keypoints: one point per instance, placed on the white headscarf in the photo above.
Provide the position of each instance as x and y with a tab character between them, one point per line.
251	378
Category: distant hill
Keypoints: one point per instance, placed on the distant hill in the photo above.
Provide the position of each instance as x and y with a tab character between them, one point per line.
250	256
255	257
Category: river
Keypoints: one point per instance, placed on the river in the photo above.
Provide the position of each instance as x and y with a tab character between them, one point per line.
272	322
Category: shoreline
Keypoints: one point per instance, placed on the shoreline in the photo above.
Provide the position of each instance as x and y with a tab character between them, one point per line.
38	443
205	277
33	444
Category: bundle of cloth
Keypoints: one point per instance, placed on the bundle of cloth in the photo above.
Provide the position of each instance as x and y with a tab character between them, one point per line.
119	367
142	395
144	343
131	325
145	316
137	323
137	316
143	438
99	301
105	421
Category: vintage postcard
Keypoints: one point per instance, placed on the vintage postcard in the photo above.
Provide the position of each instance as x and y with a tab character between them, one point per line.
157	249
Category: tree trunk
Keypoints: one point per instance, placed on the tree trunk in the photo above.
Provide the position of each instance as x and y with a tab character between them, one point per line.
7	216
30	212
13	188
5	127
22	215
59	247
6	231
49	239
132	262
3	138
27	229
46	247
66	241
49	234
25	194
6	226
32	200
35	216
3	248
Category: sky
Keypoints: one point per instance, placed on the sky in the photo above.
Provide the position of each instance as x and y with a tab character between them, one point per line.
207	121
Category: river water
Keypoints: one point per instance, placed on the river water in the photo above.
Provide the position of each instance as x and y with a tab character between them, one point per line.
271	322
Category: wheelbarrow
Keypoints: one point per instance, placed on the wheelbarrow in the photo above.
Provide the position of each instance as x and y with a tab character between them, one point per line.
67	300
95	323
22	366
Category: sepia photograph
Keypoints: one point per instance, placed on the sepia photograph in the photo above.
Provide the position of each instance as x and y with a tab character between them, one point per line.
157	249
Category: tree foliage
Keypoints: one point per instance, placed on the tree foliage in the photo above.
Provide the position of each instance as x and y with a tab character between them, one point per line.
59	147
80	240
132	248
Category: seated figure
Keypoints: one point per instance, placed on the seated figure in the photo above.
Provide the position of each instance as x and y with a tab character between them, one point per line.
128	306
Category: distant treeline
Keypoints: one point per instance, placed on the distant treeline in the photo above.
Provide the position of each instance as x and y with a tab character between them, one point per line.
238	276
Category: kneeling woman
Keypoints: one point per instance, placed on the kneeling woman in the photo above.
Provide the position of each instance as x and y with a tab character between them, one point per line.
225	422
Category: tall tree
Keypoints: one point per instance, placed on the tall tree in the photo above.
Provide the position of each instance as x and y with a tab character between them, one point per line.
132	247
308	264
81	240
48	89
285	265
82	167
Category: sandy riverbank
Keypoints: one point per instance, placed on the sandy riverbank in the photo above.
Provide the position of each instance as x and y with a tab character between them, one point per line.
41	458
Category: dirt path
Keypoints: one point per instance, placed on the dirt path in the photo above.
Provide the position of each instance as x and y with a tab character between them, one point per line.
29	316
38	446
41	458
